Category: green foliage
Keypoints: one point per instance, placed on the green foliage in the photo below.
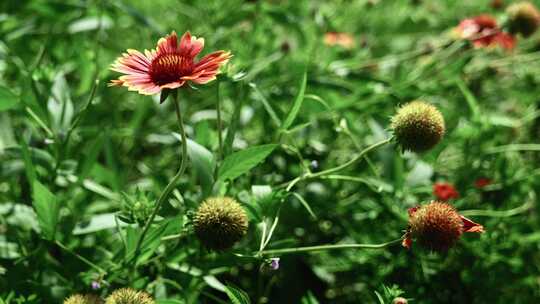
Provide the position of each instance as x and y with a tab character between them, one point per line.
302	147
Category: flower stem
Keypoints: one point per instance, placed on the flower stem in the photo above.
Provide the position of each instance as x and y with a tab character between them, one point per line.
274	252
170	186
499	213
219	121
359	156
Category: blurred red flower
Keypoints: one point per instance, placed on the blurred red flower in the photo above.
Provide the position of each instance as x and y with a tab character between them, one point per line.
344	40
483	31
445	191
482	182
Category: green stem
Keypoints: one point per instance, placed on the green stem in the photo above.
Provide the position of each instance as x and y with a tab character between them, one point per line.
359	156
499	213
170	186
83	259
274	252
219	122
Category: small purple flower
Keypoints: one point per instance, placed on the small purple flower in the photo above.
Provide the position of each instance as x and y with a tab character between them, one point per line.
95	285
274	263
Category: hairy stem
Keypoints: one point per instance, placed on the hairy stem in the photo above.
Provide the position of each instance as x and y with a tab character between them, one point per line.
170	186
274	252
359	156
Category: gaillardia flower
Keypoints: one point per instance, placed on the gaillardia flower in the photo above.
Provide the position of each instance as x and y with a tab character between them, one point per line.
523	18
437	226
83	299
129	296
483	31
418	126
220	222
171	65
445	191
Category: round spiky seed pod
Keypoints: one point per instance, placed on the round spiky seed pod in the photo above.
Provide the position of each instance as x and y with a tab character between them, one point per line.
436	226
83	299
129	296
523	18
418	126
220	222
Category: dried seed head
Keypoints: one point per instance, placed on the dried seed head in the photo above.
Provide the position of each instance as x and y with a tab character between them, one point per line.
418	126
83	299
129	296
523	18
436	226
220	222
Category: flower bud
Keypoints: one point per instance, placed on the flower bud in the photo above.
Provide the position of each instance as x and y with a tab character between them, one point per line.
129	296
220	222
83	299
418	126
523	18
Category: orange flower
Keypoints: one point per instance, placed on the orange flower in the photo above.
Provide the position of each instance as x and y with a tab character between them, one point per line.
445	191
344	40
483	31
169	66
437	226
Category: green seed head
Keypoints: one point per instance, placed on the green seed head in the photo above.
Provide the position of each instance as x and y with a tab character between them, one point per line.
129	296
418	126
83	299
523	18
436	226
220	222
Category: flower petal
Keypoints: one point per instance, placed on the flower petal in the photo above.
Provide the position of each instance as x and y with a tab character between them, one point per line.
470	226
168	44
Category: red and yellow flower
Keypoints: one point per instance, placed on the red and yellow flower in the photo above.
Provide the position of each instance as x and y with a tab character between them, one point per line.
171	65
483	31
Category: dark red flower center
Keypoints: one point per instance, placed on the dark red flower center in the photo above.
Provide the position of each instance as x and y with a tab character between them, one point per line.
169	68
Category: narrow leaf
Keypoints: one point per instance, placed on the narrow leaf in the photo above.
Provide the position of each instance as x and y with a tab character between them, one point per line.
241	162
296	105
47	207
8	100
236	295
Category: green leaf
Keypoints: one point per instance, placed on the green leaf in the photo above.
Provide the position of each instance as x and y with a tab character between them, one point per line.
296	105
309	299
236	295
204	164
8	100
47	207
241	162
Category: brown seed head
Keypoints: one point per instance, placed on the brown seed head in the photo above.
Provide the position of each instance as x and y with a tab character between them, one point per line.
436	226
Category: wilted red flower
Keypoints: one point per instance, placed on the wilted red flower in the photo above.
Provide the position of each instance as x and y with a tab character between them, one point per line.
344	40
437	226
445	191
483	31
482	182
169	66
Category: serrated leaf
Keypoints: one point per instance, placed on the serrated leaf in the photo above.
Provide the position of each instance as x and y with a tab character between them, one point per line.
8	100
241	162
236	295
296	105
47	207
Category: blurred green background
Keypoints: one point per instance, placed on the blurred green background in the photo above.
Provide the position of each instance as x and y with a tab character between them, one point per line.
52	52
